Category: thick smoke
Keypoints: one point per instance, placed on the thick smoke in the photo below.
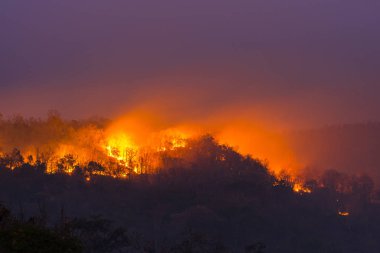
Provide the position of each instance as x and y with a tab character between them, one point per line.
248	72
306	154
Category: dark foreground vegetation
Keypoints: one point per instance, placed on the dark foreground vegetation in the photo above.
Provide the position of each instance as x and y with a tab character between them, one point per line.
218	201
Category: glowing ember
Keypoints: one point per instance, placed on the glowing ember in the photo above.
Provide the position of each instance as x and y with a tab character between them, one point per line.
344	213
299	188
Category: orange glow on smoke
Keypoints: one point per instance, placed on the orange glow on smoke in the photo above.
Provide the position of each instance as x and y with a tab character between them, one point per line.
129	137
133	143
268	146
136	141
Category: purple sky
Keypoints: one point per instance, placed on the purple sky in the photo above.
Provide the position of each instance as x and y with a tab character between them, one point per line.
298	61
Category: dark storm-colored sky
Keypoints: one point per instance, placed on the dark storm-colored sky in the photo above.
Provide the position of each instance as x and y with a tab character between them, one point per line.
298	61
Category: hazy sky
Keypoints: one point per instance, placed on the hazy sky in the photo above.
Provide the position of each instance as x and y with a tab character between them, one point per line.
296	61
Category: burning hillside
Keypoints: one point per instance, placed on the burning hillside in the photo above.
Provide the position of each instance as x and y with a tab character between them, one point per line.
129	145
174	174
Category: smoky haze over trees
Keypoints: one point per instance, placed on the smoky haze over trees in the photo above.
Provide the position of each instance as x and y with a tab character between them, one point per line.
254	74
349	148
205	197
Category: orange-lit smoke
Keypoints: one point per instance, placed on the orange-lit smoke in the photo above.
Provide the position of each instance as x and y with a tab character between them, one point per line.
131	140
140	128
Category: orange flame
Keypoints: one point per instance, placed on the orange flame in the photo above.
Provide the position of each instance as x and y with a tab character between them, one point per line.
299	188
129	144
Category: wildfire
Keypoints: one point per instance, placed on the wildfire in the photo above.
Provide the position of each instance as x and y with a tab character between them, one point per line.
120	146
136	143
140	155
299	188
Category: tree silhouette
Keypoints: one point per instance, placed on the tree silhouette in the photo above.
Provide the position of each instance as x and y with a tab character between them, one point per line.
94	168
